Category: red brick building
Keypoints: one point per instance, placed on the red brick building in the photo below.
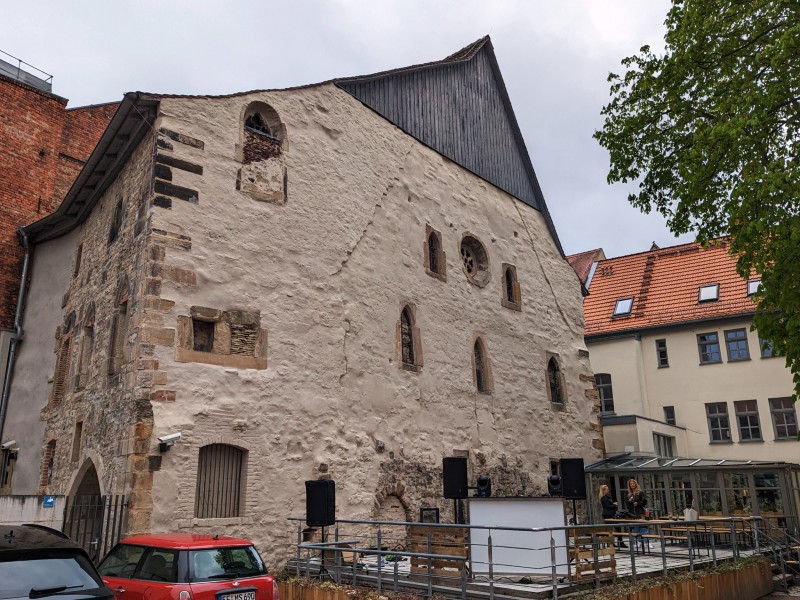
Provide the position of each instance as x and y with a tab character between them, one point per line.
43	146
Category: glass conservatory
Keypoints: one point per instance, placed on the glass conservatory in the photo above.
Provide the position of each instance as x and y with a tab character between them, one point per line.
712	487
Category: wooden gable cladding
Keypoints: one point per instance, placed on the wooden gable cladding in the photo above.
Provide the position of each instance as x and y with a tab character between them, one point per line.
460	108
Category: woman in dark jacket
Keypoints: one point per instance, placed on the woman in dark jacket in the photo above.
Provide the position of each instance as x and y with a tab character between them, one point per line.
609	507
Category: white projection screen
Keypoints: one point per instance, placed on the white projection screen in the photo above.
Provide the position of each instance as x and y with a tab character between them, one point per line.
517	552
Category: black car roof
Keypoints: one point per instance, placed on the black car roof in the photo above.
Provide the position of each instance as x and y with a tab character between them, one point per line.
32	537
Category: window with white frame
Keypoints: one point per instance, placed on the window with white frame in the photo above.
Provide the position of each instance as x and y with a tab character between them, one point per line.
752	286
719	427
708	293
784	418
747	420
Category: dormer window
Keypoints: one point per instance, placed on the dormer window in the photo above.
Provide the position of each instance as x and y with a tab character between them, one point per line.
708	293
623	307
752	286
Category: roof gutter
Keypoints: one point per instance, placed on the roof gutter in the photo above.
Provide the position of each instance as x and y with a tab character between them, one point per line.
18	331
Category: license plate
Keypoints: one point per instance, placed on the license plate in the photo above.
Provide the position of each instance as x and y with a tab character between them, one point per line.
251	595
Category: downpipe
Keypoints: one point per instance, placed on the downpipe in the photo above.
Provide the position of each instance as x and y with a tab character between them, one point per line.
18	331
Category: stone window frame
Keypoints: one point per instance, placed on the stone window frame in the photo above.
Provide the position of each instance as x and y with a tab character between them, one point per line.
481	366
221	353
512	293
118	330
208	475
415	366
86	349
48	464
555	381
481	274
438	259
117	221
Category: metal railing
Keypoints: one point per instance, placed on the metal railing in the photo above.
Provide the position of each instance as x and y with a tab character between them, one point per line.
19	74
496	562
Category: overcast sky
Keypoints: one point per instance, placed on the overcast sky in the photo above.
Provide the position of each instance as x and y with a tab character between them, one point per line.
554	56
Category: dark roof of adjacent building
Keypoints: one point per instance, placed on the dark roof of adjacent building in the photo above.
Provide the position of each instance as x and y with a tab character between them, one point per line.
664	284
458	106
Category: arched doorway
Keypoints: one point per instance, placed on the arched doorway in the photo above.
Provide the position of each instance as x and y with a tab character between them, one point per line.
83	515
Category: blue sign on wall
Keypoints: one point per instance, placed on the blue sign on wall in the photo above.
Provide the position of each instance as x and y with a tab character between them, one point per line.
49	501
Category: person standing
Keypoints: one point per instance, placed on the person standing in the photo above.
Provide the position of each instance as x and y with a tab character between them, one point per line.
609	508
636	503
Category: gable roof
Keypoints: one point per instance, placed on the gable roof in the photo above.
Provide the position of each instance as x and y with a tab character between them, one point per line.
457	106
664	284
460	108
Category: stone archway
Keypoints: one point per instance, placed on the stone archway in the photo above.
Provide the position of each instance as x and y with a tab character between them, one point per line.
89	484
83	515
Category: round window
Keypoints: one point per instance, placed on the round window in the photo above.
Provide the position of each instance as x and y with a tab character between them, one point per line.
475	260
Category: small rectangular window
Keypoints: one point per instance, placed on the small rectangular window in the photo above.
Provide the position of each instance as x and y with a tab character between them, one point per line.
752	286
661	353
708	293
203	332
664	445
555	467
719	427
669	415
708	345
736	344
767	351
747	419
784	418
623	307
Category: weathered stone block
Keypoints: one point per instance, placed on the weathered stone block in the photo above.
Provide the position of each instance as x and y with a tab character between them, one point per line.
163	396
158	336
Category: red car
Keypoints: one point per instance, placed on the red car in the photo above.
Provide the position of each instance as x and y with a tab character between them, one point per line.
174	566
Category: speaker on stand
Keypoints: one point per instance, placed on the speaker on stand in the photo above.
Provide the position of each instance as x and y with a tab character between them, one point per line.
321	509
573	482
454	482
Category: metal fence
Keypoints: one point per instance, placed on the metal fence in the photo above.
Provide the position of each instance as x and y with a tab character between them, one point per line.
497	562
95	522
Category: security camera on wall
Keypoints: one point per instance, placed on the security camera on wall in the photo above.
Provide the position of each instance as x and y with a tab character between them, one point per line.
165	442
10	444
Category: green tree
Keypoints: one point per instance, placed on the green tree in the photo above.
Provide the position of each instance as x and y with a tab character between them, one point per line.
710	132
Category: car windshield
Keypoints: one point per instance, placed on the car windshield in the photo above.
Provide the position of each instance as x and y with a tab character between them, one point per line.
24	577
222	563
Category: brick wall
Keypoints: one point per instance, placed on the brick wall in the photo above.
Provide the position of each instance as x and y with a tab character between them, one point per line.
43	146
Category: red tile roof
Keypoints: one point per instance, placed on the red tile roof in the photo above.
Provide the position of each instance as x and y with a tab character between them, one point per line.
582	263
664	284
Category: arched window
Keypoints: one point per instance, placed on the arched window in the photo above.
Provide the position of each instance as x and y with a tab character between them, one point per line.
481	367
407	336
554	383
435	259
221	471
512	297
408	343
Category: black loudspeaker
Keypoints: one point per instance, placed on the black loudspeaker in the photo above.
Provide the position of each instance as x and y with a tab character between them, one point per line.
484	486
554	485
320	502
573	479
454	476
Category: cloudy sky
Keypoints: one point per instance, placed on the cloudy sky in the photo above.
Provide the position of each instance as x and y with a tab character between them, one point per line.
554	55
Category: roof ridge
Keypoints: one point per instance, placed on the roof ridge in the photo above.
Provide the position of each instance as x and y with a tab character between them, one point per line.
667	250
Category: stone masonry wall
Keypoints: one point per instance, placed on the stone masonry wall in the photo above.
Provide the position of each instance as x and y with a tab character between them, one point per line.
110	396
328	269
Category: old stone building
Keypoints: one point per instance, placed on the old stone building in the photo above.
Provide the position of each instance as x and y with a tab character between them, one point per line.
347	280
43	146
